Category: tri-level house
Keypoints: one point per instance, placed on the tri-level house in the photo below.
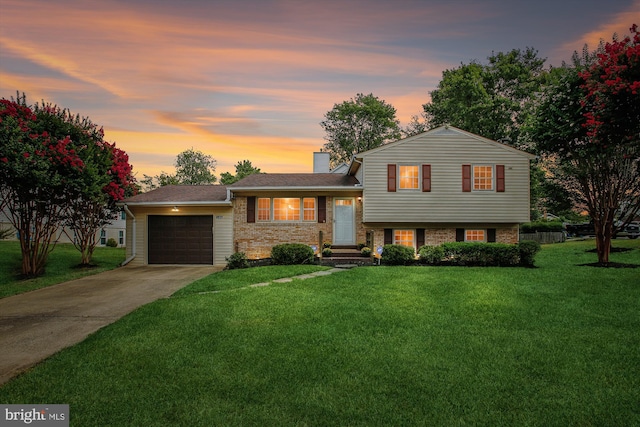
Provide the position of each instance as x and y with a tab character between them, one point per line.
443	185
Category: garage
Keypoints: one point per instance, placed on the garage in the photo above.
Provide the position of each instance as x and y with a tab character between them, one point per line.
180	239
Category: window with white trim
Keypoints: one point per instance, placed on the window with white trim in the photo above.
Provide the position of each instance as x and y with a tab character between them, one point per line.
121	237
103	237
474	235
287	209
309	209
482	177
409	177
264	209
404	237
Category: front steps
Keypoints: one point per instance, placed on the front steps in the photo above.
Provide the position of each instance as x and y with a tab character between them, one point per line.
346	256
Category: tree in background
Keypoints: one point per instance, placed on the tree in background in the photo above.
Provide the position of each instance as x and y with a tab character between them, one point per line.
416	125
588	128
493	100
357	125
243	169
193	167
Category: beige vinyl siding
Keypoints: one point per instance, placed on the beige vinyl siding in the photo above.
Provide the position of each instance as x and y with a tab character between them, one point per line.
222	230
446	152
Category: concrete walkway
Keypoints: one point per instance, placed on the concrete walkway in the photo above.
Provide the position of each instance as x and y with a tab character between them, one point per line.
37	324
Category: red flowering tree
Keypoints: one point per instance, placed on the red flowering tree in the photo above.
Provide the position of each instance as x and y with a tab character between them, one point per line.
56	170
589	126
612	112
92	192
34	170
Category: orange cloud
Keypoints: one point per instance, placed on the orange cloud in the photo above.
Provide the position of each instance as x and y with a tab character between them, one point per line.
619	24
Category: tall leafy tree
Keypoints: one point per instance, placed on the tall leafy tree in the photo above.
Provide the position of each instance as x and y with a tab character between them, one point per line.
588	126
494	100
193	167
357	125
243	169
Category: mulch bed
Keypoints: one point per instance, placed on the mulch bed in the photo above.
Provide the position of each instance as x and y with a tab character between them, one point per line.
611	264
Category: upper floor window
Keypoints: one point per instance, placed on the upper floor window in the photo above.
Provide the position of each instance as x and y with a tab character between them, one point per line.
483	177
409	177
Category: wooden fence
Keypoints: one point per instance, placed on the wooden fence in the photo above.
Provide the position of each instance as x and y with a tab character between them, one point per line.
544	236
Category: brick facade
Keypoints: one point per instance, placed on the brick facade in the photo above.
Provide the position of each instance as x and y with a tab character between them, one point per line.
257	239
438	236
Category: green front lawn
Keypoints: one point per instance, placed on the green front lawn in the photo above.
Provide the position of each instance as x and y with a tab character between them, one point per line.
62	266
551	346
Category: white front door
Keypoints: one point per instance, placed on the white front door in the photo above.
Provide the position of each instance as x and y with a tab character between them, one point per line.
344	221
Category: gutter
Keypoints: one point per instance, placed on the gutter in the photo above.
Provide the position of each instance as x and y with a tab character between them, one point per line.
133	238
291	189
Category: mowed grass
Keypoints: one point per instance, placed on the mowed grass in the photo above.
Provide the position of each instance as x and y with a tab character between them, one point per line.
235	279
62	266
556	345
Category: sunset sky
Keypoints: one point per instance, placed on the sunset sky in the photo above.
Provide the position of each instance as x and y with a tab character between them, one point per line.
253	79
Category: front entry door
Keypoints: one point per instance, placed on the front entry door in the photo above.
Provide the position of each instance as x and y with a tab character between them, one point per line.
344	222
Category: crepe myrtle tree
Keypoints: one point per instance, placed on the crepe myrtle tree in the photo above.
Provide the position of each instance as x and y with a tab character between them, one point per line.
58	173
588	126
105	179
35	171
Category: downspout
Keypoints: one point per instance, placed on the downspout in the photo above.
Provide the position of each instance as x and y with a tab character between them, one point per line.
133	238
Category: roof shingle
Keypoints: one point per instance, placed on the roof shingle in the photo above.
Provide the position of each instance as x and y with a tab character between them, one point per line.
182	193
305	180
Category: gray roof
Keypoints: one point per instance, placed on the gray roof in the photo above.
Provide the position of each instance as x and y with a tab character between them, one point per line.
181	194
295	180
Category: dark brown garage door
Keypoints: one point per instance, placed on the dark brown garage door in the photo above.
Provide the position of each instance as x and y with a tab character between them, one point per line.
180	239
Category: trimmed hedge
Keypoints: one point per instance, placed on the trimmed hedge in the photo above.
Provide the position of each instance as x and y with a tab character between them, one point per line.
528	250
398	255
237	260
541	227
480	254
291	253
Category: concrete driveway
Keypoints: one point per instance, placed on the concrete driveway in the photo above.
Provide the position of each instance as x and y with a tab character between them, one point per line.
37	324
